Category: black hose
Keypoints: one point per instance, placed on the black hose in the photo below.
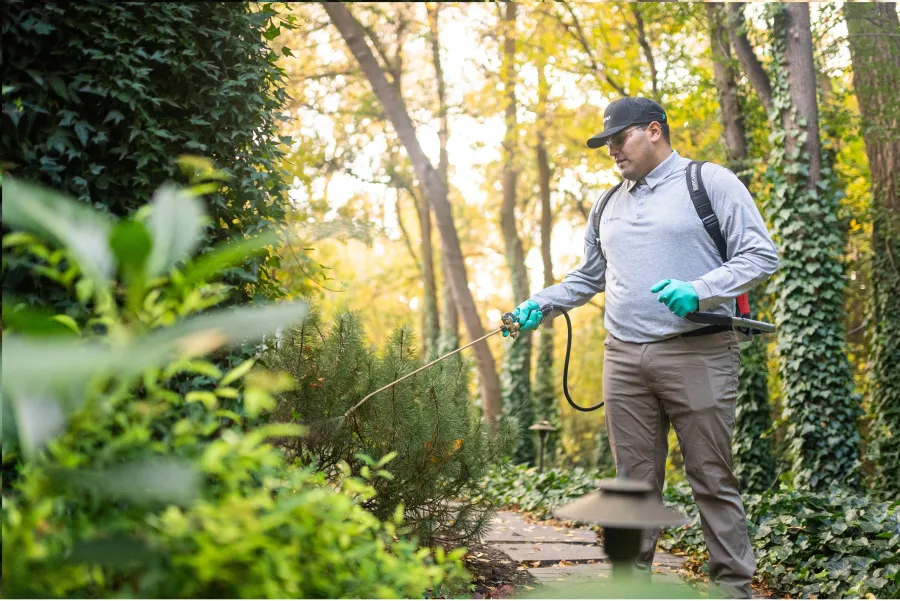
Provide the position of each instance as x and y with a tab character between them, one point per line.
566	369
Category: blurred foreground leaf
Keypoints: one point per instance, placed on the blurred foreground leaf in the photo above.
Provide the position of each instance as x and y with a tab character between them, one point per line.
64	221
176	226
168	481
43	363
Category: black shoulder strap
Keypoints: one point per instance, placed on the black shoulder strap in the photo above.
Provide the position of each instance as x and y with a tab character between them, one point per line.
704	207
602	205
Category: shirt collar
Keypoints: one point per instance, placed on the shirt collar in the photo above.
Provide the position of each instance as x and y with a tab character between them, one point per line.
659	173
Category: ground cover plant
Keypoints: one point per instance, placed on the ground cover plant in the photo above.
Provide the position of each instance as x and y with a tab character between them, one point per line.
836	544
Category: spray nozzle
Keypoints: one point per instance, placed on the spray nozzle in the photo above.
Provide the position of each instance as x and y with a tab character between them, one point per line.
510	325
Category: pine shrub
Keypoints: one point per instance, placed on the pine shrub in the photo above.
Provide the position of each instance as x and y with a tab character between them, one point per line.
442	451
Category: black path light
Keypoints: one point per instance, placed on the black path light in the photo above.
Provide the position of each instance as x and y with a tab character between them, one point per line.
625	508
543	429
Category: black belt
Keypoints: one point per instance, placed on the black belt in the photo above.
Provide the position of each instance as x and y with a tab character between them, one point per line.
706	331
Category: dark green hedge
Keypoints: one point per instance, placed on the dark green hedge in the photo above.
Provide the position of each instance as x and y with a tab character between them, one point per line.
99	99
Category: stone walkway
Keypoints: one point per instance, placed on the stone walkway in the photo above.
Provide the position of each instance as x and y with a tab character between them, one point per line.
562	557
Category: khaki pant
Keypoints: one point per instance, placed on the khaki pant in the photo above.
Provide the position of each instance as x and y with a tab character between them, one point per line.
692	384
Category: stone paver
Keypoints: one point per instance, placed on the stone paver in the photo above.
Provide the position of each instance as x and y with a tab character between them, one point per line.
580	571
509	527
556	555
571	562
550	553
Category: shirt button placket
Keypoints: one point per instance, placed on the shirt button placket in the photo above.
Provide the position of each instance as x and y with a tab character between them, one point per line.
642	190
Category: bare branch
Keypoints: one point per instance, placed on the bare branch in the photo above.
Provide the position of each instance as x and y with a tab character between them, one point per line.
648	51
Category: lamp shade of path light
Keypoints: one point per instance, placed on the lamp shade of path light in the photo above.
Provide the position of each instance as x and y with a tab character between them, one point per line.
620	503
625	508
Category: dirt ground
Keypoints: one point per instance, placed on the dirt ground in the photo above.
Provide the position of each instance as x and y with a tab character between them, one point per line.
495	575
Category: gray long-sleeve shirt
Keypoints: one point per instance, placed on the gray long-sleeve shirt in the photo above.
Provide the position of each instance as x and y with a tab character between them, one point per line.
650	231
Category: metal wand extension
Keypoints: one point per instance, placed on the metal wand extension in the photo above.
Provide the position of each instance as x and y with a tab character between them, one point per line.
509	324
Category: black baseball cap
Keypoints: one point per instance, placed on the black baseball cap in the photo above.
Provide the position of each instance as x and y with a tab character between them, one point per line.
624	112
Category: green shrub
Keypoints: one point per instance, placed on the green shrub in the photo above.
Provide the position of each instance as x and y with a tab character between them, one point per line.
123	486
522	487
828	545
99	98
442	452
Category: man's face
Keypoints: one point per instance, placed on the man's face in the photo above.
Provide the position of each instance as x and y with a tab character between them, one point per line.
632	149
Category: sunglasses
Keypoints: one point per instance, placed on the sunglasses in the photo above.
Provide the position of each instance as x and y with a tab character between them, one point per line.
618	140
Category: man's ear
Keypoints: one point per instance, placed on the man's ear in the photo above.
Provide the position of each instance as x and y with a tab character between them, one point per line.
655	131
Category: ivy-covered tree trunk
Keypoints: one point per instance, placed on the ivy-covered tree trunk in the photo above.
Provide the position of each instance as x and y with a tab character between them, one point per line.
753	460
875	52
820	405
516	376
545	404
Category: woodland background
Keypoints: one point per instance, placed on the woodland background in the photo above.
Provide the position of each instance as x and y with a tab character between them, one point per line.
361	187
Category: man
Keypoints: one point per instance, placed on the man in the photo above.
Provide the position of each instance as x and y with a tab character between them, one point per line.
657	263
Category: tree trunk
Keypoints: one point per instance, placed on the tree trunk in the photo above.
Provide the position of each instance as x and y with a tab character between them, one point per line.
430	323
516	376
749	63
875	54
732	117
820	405
354	36
645	46
449	338
801	80
545	404
753	458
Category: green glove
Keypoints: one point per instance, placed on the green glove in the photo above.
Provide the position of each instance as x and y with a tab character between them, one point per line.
680	297
528	315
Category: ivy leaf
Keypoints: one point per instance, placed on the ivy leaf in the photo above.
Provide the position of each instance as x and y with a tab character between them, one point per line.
115	116
58	86
82	130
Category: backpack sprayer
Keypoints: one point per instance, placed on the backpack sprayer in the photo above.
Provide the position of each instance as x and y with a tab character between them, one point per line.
512	327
